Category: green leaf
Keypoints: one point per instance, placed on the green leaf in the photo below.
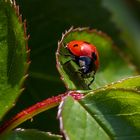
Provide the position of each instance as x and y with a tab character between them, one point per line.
13	55
132	83
30	134
103	115
112	66
46	21
129	32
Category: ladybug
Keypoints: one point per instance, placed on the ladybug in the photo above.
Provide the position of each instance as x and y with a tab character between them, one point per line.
85	55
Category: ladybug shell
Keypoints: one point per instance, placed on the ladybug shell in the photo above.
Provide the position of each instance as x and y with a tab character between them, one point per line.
81	48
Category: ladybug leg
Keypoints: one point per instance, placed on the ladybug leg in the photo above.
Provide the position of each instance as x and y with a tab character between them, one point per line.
72	58
64	54
79	72
67	62
91	81
68	55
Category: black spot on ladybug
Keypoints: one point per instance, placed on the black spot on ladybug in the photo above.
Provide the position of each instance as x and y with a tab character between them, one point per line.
94	56
86	42
75	45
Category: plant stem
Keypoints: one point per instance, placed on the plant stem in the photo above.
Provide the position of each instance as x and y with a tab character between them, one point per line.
32	111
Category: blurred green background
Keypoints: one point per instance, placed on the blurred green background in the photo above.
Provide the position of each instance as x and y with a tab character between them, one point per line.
46	21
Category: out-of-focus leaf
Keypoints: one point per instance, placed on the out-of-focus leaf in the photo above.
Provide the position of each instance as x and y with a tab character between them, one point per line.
112	65
103	115
30	134
128	25
13	55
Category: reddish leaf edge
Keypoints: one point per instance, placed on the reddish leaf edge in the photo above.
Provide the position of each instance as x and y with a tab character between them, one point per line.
60	43
26	37
24	26
39	107
16	9
63	131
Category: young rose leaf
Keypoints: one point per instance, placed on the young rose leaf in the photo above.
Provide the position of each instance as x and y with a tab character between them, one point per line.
112	66
30	134
13	54
131	83
109	114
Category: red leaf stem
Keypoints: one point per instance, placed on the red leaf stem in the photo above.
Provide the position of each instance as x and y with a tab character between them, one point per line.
36	109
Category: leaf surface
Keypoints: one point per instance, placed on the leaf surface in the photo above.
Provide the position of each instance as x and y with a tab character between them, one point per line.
112	66
30	134
13	55
110	114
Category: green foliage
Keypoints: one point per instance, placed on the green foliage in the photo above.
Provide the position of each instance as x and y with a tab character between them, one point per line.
109	114
46	21
30	134
129	32
109	110
131	83
108	72
13	56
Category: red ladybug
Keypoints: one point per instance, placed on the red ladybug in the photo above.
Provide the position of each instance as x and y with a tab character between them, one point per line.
85	55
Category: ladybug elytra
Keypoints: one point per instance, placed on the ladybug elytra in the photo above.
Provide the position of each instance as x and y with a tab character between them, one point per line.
85	55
